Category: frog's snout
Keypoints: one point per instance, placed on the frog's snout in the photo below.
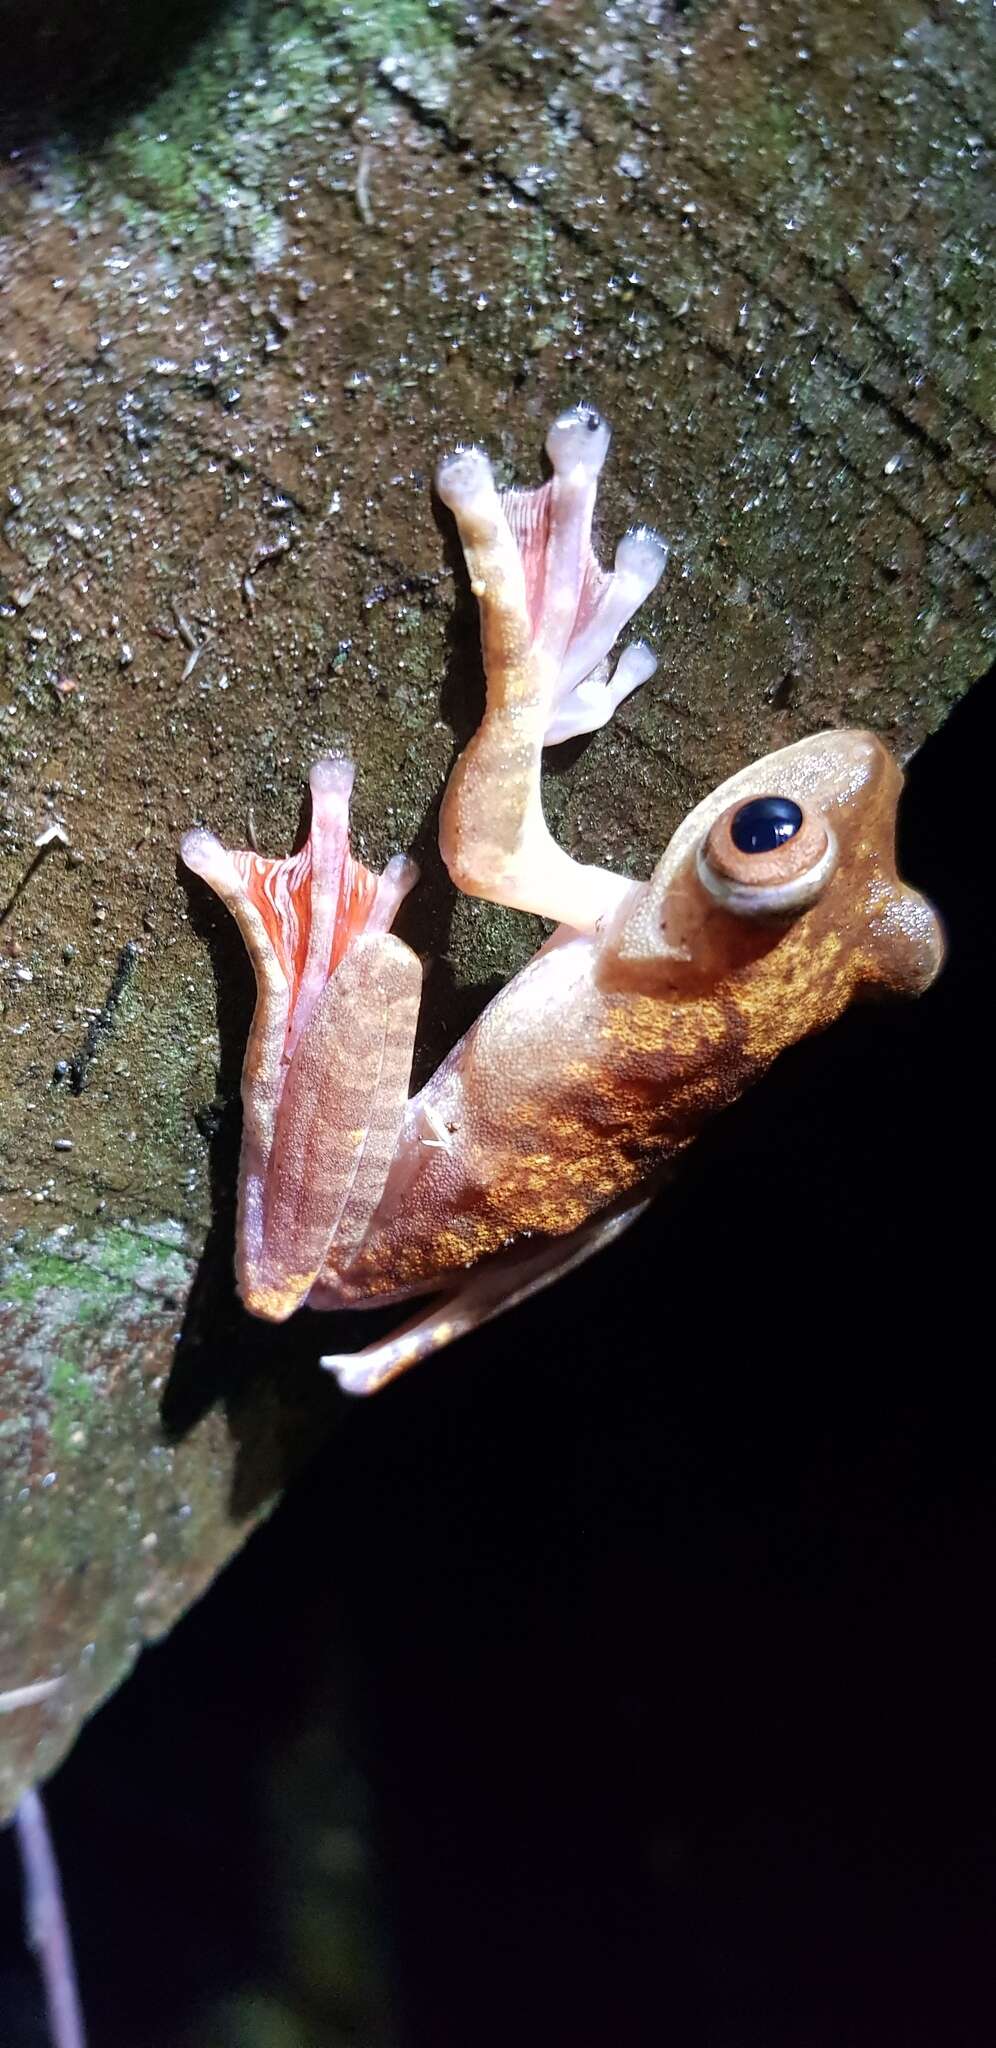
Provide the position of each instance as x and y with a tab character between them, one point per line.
928	945
909	943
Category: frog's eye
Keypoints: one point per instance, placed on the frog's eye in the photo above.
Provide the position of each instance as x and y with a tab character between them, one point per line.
768	857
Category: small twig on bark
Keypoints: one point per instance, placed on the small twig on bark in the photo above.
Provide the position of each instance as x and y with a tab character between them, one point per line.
28	1695
264	551
46	1923
364	166
55	835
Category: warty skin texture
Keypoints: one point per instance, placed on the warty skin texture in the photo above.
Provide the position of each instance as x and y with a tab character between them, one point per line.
607	1054
653	1006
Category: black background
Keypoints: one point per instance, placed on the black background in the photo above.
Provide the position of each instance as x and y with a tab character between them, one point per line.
657	1617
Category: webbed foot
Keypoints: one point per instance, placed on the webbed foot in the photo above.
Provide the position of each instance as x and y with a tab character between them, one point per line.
550	616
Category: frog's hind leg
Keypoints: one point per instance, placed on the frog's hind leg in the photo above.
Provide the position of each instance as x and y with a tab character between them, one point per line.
339	1119
492	1288
549	618
325	1079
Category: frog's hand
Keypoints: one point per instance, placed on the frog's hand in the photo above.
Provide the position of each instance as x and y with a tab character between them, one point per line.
497	1285
550	616
337	1125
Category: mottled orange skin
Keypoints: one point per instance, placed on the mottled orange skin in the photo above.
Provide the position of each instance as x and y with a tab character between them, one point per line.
654	1005
607	1054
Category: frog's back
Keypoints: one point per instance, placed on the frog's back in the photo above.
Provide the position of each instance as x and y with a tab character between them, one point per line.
560	1098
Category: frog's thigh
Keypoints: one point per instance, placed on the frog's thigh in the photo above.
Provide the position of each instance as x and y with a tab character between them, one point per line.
498	1285
339	1119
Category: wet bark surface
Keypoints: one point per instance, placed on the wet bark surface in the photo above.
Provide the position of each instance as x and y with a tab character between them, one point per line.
255	280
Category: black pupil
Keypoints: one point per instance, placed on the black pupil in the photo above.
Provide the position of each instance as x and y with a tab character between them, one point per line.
764	823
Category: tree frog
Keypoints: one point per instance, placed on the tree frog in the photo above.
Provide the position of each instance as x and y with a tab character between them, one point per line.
652	1006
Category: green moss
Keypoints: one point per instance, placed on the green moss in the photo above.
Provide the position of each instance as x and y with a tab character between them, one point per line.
92	1276
70	1308
72	1394
22	1280
765	132
206	158
375	29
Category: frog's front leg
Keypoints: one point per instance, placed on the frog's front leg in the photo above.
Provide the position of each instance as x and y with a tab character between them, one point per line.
325	1078
500	1283
550	616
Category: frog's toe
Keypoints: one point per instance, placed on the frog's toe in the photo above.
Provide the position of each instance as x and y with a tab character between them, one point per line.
591	703
641	559
583	698
578	439
463	479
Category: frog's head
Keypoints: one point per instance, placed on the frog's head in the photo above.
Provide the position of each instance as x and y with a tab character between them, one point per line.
779	893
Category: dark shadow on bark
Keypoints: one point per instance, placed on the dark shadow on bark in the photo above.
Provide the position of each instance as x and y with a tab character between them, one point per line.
82	68
448	1007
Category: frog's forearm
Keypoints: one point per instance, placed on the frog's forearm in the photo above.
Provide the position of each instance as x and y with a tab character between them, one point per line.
549	617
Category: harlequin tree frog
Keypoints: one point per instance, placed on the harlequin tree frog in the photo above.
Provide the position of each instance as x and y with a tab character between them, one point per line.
653	1005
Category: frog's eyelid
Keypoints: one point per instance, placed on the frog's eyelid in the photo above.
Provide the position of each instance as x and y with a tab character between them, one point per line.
771	899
